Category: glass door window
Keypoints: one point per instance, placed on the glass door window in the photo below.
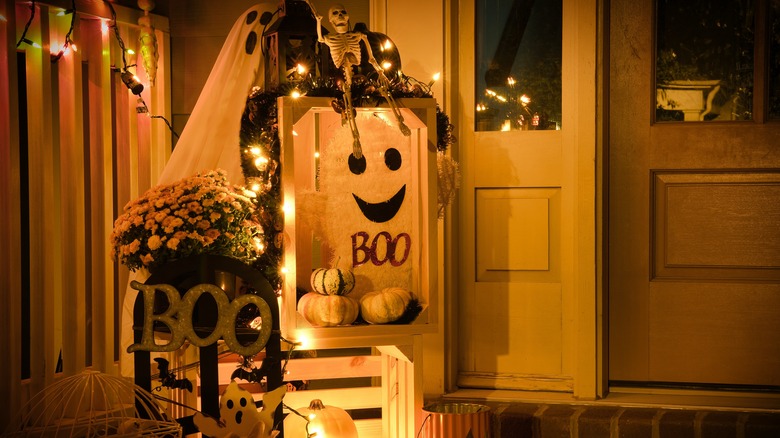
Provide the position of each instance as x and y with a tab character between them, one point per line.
518	53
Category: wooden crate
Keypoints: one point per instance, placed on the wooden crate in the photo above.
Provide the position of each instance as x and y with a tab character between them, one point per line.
305	124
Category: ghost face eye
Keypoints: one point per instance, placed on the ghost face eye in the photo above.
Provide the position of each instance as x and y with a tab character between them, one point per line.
393	159
243	402
357	165
230	404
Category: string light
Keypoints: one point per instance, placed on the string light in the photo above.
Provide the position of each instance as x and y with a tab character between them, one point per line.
68	42
436	77
130	80
23	38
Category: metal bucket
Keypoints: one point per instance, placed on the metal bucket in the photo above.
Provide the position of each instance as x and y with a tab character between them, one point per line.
456	420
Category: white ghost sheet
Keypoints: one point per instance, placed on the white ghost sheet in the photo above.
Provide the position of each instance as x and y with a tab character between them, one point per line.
210	139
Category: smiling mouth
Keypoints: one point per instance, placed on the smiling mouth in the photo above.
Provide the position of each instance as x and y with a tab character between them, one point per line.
381	211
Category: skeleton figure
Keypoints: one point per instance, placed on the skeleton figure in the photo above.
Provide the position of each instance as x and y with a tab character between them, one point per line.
344	48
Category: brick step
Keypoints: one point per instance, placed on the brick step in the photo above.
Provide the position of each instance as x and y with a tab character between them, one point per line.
542	420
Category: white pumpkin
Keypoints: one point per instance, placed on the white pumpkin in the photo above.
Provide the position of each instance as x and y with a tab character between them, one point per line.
386	305
326	421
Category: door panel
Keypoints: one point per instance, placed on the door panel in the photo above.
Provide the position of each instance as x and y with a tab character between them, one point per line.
526	202
694	293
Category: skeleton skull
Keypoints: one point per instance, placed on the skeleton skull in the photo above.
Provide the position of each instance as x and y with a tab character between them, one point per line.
337	14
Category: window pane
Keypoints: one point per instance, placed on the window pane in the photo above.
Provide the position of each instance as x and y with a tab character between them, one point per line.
774	61
518	56
704	60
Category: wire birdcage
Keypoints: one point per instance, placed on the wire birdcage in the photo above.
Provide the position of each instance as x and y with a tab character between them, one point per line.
93	404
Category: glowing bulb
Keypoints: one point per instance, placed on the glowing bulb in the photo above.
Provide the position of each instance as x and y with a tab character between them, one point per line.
501	98
303	343
312	416
295	133
261	162
506	126
525	99
295	94
285	270
255	187
490	92
130	51
255	150
387	45
286	208
436	76
386	65
511	81
316	155
301	69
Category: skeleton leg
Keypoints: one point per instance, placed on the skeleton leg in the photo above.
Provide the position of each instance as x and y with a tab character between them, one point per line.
393	106
357	150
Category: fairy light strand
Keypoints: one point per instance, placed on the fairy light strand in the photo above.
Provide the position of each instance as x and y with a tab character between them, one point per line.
23	38
143	108
68	40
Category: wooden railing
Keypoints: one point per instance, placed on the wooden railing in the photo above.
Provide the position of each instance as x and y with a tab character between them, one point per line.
74	150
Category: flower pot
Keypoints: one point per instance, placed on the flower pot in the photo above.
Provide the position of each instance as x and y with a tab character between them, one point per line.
456	420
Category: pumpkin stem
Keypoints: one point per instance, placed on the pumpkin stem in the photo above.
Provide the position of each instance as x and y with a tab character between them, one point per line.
316	405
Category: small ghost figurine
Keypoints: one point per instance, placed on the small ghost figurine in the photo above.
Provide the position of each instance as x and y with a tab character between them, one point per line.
239	416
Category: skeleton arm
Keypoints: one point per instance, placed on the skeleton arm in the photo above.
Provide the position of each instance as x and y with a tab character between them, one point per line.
382	78
319	28
319	21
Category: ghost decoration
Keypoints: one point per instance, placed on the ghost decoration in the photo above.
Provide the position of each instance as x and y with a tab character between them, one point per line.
367	203
239	416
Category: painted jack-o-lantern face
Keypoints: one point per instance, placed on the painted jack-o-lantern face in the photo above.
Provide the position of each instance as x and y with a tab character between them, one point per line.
384	210
368	215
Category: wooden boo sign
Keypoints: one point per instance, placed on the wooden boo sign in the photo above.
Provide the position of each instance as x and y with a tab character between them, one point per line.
178	318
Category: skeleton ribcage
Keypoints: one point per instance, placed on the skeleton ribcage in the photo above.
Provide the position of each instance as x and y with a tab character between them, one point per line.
344	47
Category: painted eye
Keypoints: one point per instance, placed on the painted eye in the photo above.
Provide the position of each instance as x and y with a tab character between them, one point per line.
393	159
251	42
357	165
250	17
243	402
230	404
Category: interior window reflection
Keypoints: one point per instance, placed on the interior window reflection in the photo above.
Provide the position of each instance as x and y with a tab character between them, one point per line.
704	60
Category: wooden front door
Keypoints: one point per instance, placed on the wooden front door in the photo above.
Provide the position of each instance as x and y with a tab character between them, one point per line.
694	216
